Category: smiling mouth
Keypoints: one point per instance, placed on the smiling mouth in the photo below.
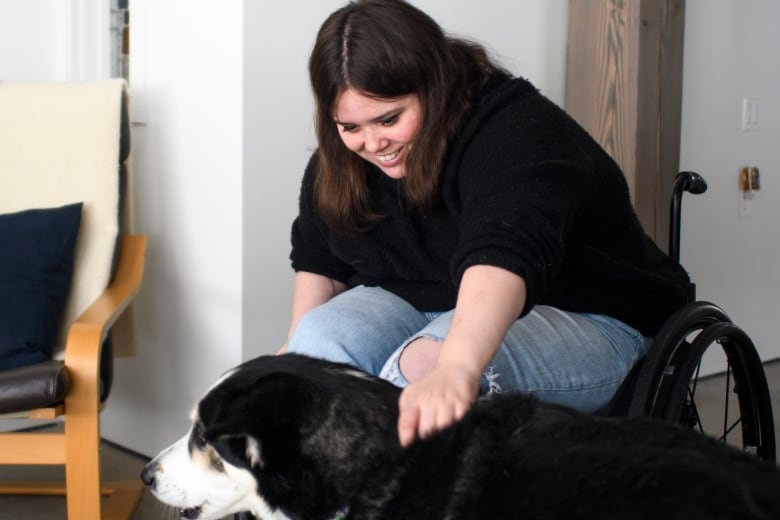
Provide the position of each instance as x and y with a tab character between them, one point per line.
389	157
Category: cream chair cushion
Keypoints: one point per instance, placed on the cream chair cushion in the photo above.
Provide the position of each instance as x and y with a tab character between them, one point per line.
64	149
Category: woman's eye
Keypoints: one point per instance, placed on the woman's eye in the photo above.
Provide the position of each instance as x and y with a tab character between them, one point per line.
390	120
348	128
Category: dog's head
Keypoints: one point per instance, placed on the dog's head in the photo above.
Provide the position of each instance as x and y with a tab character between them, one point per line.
279	436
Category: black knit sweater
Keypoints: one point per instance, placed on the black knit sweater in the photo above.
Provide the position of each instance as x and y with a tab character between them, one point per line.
525	188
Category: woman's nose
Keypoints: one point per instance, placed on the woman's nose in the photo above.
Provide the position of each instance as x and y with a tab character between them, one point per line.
374	141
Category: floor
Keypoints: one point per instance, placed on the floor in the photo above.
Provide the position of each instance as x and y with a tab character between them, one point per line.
118	464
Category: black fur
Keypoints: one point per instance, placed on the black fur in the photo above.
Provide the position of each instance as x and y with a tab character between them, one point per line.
328	439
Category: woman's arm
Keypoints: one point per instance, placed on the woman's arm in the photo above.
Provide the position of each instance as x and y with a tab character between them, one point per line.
310	291
489	300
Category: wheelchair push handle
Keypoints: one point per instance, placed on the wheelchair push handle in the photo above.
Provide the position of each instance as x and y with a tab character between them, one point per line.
693	183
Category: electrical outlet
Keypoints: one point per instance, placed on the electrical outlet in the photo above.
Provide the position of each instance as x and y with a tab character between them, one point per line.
749	183
749	179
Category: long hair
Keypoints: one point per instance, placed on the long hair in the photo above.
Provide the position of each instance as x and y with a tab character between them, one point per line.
387	49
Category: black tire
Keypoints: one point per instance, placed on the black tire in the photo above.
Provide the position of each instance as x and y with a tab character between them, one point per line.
669	379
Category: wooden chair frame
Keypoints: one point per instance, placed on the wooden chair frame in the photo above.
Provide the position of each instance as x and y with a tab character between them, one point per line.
78	447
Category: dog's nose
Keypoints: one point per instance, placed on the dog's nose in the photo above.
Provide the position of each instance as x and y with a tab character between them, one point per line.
149	472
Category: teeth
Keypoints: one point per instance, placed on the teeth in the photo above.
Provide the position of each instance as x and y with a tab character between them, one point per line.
388	157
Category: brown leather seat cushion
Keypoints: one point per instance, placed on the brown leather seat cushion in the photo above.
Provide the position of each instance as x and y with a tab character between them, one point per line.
33	386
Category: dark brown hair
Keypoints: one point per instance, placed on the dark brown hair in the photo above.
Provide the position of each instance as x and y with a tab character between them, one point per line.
387	49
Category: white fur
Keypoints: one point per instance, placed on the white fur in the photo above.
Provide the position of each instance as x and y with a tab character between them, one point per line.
186	481
253	454
356	373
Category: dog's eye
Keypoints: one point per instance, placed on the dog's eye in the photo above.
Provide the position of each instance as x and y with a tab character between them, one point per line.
200	434
218	464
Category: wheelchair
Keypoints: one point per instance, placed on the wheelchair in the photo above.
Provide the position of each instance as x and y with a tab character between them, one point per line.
665	383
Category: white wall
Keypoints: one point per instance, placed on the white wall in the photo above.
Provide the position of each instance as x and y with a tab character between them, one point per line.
278	139
730	53
56	40
34	22
188	167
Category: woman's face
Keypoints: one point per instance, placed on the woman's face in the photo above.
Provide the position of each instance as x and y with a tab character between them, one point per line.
380	131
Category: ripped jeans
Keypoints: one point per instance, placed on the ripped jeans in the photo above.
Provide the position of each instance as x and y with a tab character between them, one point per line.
569	358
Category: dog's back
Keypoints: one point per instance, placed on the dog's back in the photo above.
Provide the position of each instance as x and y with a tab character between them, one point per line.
514	457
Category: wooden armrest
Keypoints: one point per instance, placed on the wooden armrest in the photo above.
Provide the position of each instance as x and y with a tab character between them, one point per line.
87	333
126	283
97	319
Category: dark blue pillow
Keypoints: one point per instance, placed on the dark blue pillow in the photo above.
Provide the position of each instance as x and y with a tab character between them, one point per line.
37	247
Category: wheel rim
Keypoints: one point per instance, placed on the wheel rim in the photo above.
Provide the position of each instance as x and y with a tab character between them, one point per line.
675	399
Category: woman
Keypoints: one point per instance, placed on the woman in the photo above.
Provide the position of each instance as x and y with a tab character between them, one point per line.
459	233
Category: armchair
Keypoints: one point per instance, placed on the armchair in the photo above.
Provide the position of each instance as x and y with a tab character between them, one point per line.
65	246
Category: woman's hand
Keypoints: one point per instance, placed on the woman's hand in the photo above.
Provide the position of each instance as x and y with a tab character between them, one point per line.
489	300
436	401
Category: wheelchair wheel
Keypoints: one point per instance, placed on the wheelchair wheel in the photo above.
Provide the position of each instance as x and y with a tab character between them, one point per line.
668	383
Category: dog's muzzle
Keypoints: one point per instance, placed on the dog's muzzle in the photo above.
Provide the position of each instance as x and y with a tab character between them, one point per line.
149	476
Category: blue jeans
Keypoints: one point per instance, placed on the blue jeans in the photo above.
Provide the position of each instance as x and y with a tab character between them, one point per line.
569	358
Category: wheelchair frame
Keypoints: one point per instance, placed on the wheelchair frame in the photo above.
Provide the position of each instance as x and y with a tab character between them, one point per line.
663	385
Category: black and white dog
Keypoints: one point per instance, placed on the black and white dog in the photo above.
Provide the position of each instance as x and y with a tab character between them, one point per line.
290	437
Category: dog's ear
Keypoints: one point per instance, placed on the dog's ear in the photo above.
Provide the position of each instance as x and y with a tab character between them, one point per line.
240	450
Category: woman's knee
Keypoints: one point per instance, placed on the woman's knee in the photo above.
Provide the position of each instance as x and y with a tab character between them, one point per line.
362	328
419	358
315	336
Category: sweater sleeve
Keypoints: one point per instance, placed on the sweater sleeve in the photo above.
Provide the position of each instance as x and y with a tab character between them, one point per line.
310	238
519	179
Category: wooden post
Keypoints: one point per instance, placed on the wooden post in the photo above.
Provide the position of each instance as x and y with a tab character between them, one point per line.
624	85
